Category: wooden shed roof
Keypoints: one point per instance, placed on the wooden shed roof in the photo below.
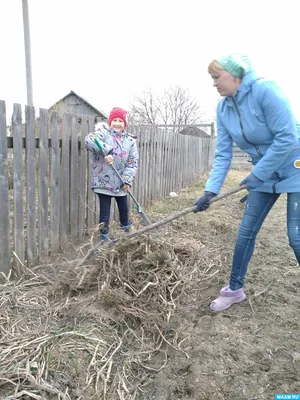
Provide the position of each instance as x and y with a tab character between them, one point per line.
72	93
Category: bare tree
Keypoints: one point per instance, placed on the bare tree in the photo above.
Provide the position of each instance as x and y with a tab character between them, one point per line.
144	109
174	107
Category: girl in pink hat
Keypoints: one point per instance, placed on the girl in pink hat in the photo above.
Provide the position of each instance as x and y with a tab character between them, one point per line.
121	150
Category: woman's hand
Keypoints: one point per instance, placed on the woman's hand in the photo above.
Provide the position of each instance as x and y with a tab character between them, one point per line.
252	182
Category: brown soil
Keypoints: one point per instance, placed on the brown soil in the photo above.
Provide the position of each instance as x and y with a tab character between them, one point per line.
252	350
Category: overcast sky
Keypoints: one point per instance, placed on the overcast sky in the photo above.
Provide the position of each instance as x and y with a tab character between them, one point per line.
109	51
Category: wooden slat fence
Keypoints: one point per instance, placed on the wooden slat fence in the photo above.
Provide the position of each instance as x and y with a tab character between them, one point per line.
240	159
46	200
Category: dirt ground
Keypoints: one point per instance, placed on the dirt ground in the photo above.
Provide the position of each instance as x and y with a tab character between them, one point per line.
249	352
252	350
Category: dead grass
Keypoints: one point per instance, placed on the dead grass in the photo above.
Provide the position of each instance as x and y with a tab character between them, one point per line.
100	329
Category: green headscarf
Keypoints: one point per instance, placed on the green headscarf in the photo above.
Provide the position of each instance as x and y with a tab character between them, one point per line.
236	64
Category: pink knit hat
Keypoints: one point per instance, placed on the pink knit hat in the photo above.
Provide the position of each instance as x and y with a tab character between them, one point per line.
118	112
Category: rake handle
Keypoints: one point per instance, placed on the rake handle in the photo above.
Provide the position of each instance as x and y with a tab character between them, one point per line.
178	215
132	195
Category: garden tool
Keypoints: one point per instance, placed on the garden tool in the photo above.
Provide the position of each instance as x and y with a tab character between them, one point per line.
179	214
243	199
162	222
138	206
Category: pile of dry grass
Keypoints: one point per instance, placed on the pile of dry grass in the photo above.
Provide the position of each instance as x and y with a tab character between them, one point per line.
99	327
109	319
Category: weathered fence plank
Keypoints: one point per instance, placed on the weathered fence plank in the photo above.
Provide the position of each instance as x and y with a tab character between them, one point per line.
240	159
18	187
43	184
139	176
168	165
83	179
151	174
177	177
4	195
74	178
144	153
30	184
160	162
156	161
54	185
65	182
90	193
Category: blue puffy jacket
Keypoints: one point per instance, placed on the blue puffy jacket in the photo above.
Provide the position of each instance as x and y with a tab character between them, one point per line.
259	119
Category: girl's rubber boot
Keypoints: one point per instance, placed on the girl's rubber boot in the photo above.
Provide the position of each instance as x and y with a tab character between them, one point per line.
227	298
127	228
104	237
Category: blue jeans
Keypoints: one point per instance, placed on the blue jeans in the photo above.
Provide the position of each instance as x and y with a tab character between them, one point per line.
258	206
105	205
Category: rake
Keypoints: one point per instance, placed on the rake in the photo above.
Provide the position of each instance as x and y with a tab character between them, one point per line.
162	222
177	215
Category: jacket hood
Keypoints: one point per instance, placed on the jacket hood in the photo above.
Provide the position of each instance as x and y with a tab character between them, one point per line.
247	81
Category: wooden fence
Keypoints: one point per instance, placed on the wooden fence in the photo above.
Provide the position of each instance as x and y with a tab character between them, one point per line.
240	159
49	202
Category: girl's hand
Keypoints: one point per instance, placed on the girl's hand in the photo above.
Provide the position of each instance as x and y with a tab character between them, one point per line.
126	187
109	159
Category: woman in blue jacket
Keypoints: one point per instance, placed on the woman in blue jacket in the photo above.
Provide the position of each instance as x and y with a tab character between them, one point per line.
255	114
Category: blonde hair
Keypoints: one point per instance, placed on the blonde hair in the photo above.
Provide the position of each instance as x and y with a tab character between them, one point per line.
213	66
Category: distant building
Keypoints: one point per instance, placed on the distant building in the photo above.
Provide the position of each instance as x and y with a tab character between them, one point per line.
194	131
74	104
